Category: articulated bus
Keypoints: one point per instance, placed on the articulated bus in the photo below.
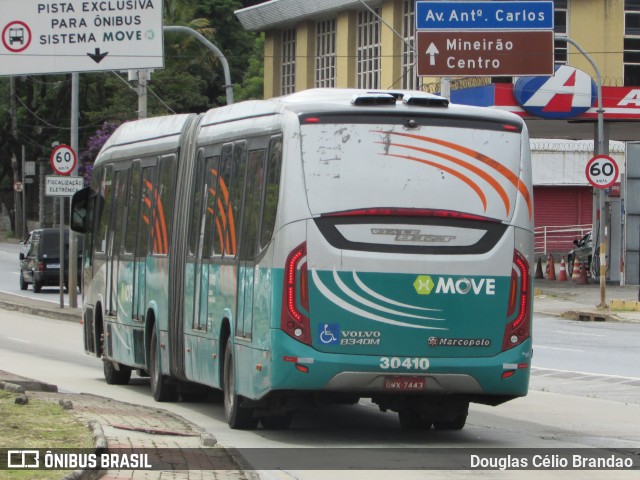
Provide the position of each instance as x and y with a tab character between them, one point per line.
315	248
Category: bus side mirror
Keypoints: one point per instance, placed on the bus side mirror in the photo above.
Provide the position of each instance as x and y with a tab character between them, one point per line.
81	204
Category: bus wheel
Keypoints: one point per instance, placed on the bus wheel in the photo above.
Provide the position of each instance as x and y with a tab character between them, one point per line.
276	422
410	419
161	389
455	424
114	376
238	417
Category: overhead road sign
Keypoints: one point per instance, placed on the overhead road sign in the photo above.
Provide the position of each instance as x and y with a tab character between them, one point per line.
56	186
80	36
527	15
480	53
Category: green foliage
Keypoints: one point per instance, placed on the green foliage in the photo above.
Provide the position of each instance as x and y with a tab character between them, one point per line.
252	87
39	424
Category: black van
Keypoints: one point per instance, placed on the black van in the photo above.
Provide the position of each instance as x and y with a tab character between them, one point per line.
41	264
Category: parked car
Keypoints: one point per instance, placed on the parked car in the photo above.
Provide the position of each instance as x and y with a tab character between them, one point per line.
40	265
581	253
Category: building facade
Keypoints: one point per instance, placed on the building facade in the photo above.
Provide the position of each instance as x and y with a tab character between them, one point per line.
372	44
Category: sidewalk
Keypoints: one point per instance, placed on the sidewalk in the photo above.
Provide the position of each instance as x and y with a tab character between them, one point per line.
580	302
121	425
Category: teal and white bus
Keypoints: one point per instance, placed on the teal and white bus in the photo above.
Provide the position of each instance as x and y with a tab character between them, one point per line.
316	248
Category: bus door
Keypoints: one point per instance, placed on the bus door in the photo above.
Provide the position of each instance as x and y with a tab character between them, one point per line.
253	189
204	282
117	223
193	271
132	274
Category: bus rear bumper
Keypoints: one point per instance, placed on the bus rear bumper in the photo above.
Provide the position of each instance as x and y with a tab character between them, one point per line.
296	366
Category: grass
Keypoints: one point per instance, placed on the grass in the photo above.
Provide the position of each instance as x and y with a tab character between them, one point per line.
39	424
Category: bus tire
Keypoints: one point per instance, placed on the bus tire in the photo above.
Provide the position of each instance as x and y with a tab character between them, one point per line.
238	417
455	424
411	419
115	376
162	390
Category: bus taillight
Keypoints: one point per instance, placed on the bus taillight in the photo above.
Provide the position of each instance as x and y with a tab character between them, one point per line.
519	328
295	292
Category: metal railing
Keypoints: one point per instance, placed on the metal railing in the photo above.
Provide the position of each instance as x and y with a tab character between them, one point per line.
558	238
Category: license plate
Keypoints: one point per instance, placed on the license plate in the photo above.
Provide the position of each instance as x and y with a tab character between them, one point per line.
53	265
404	384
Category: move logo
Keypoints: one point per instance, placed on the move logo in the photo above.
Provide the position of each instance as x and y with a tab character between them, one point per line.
424	285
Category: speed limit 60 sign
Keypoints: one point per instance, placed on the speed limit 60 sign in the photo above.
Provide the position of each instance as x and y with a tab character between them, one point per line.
63	160
602	171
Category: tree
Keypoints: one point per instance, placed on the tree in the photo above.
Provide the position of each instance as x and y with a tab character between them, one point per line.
252	86
93	147
228	35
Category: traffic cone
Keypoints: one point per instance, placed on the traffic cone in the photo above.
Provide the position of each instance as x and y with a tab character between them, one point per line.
551	268
583	274
575	276
562	276
539	269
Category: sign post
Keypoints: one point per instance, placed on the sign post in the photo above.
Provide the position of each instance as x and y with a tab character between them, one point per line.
63	161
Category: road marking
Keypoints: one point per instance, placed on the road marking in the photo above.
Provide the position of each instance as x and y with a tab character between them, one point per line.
17	340
558	348
585	373
579	333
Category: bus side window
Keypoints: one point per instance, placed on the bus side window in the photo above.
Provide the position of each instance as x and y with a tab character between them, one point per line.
104	212
133	209
146	206
236	193
221	240
196	203
252	198
210	213
163	211
271	191
119	221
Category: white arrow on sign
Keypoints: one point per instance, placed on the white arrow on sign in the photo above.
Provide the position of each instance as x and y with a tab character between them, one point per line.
432	51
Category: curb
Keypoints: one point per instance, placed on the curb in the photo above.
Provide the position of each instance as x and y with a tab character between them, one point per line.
67	314
586	316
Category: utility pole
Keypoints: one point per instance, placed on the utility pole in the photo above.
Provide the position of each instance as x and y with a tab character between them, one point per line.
17	196
143	78
72	281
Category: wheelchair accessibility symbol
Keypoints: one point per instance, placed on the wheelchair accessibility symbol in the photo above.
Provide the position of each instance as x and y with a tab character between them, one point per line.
329	333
